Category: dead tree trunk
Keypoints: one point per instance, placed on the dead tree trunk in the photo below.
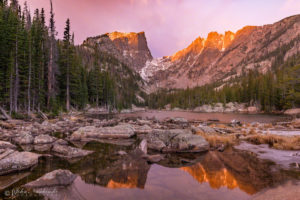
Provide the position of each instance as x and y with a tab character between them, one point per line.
4	113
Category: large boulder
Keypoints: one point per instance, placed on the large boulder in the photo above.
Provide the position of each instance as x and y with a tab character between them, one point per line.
6	145
120	131
252	109
24	138
42	147
44	139
68	152
218	108
294	112
145	129
52	179
230	107
12	161
177	140
204	108
296	123
203	129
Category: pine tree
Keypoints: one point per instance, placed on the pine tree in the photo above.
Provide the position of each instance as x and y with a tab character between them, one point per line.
64	65
50	73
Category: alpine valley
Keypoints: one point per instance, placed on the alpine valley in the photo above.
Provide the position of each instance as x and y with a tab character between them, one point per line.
105	119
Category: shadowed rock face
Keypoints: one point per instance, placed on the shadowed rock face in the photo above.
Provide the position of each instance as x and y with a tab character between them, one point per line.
222	56
129	48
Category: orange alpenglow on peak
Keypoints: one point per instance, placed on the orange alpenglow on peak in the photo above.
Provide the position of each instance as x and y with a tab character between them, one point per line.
116	35
214	40
195	48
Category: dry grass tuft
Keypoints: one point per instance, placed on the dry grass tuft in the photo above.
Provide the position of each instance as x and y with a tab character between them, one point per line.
276	141
252	132
217	140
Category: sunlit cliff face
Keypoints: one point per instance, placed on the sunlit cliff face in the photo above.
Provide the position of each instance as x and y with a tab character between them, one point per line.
131	39
214	40
195	48
217	179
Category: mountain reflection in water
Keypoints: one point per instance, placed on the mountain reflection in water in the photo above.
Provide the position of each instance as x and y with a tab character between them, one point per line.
216	180
232	174
212	175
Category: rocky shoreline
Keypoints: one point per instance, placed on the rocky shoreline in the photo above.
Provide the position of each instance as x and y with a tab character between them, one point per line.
23	143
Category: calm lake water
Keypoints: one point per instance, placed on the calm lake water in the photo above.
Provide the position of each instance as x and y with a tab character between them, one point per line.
214	175
233	174
223	117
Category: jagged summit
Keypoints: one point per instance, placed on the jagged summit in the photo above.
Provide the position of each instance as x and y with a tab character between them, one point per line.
130	48
213	40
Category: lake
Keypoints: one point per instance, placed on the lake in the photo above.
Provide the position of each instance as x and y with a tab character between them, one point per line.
106	174
232	174
222	117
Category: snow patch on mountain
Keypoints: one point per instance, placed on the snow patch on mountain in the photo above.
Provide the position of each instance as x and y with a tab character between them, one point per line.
153	66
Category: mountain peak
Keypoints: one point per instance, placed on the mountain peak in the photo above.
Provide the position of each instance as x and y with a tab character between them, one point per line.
130	48
117	35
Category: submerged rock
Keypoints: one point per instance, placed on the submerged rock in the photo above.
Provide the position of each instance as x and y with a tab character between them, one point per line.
154	158
177	140
52	179
8	180
69	152
120	131
12	161
287	191
281	157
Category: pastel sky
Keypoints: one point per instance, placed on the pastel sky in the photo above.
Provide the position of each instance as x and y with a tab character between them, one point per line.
170	25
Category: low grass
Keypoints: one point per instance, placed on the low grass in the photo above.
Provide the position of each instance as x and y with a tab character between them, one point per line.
276	141
215	140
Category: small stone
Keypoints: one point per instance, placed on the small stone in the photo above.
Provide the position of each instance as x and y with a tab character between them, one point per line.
154	158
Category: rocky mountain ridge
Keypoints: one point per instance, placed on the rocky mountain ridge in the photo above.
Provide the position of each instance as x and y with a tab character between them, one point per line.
219	57
222	57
